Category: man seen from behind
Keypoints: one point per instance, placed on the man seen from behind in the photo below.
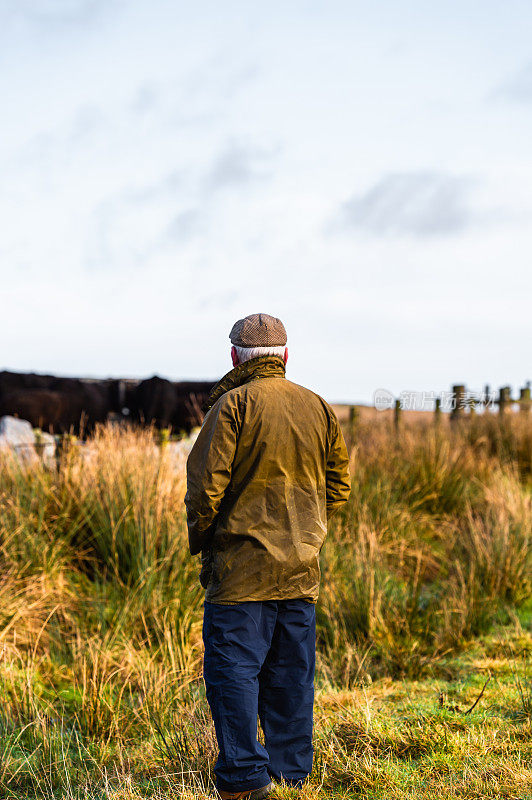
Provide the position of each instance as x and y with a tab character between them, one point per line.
267	471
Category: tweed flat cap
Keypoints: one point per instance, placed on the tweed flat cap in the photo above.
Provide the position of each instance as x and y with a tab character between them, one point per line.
258	330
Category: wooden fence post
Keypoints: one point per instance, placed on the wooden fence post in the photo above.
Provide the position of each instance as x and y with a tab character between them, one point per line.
459	394
437	411
505	398
397	414
353	420
525	400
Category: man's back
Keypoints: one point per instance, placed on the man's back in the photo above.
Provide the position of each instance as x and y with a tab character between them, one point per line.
268	467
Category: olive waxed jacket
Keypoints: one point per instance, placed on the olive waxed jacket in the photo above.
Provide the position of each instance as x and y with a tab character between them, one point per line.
268	468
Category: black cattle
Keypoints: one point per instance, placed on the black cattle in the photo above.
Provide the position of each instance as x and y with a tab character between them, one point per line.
153	402
165	403
60	405
86	403
43	408
12	381
56	404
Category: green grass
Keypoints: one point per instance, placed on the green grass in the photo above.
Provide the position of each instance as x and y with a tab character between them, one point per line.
380	739
424	610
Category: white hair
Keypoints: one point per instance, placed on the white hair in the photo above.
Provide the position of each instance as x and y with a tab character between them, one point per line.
245	353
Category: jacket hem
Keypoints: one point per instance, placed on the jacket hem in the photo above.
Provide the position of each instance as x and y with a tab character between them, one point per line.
254	599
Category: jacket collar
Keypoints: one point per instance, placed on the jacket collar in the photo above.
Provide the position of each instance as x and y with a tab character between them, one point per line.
260	367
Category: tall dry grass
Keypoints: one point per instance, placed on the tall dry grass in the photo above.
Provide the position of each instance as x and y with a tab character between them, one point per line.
100	605
432	547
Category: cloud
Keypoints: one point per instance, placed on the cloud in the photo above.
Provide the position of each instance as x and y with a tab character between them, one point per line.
201	97
60	12
410	203
239	165
86	122
517	88
168	186
185	226
135	223
129	228
221	76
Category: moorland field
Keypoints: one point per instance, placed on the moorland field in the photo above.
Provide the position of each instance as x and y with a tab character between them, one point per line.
423	685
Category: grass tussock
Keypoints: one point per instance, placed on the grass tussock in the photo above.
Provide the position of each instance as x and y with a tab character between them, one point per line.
100	621
432	548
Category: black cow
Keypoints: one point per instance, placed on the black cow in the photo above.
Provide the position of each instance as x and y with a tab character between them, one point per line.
12	381
153	401
56	404
42	407
165	403
59	405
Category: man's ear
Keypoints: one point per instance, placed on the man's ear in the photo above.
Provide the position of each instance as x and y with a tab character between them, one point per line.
234	357
285	355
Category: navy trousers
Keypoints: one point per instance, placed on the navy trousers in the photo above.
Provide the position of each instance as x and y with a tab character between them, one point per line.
259	660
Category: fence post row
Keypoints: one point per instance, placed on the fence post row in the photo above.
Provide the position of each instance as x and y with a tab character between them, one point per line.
460	402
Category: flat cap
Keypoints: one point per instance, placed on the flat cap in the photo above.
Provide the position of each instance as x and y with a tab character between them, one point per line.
258	330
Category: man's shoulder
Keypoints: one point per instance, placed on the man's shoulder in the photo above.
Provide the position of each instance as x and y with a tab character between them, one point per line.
278	387
304	391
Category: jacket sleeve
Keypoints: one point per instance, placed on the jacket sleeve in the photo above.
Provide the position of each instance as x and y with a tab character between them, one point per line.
206	566
209	468
337	478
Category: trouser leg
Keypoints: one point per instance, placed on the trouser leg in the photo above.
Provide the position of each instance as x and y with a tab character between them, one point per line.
237	638
286	693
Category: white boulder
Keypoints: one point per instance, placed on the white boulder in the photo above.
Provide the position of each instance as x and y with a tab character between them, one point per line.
19	436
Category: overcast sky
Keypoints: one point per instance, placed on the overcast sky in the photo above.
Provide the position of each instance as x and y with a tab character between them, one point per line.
362	170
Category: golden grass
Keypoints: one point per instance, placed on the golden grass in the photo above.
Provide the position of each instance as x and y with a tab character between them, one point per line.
423	572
